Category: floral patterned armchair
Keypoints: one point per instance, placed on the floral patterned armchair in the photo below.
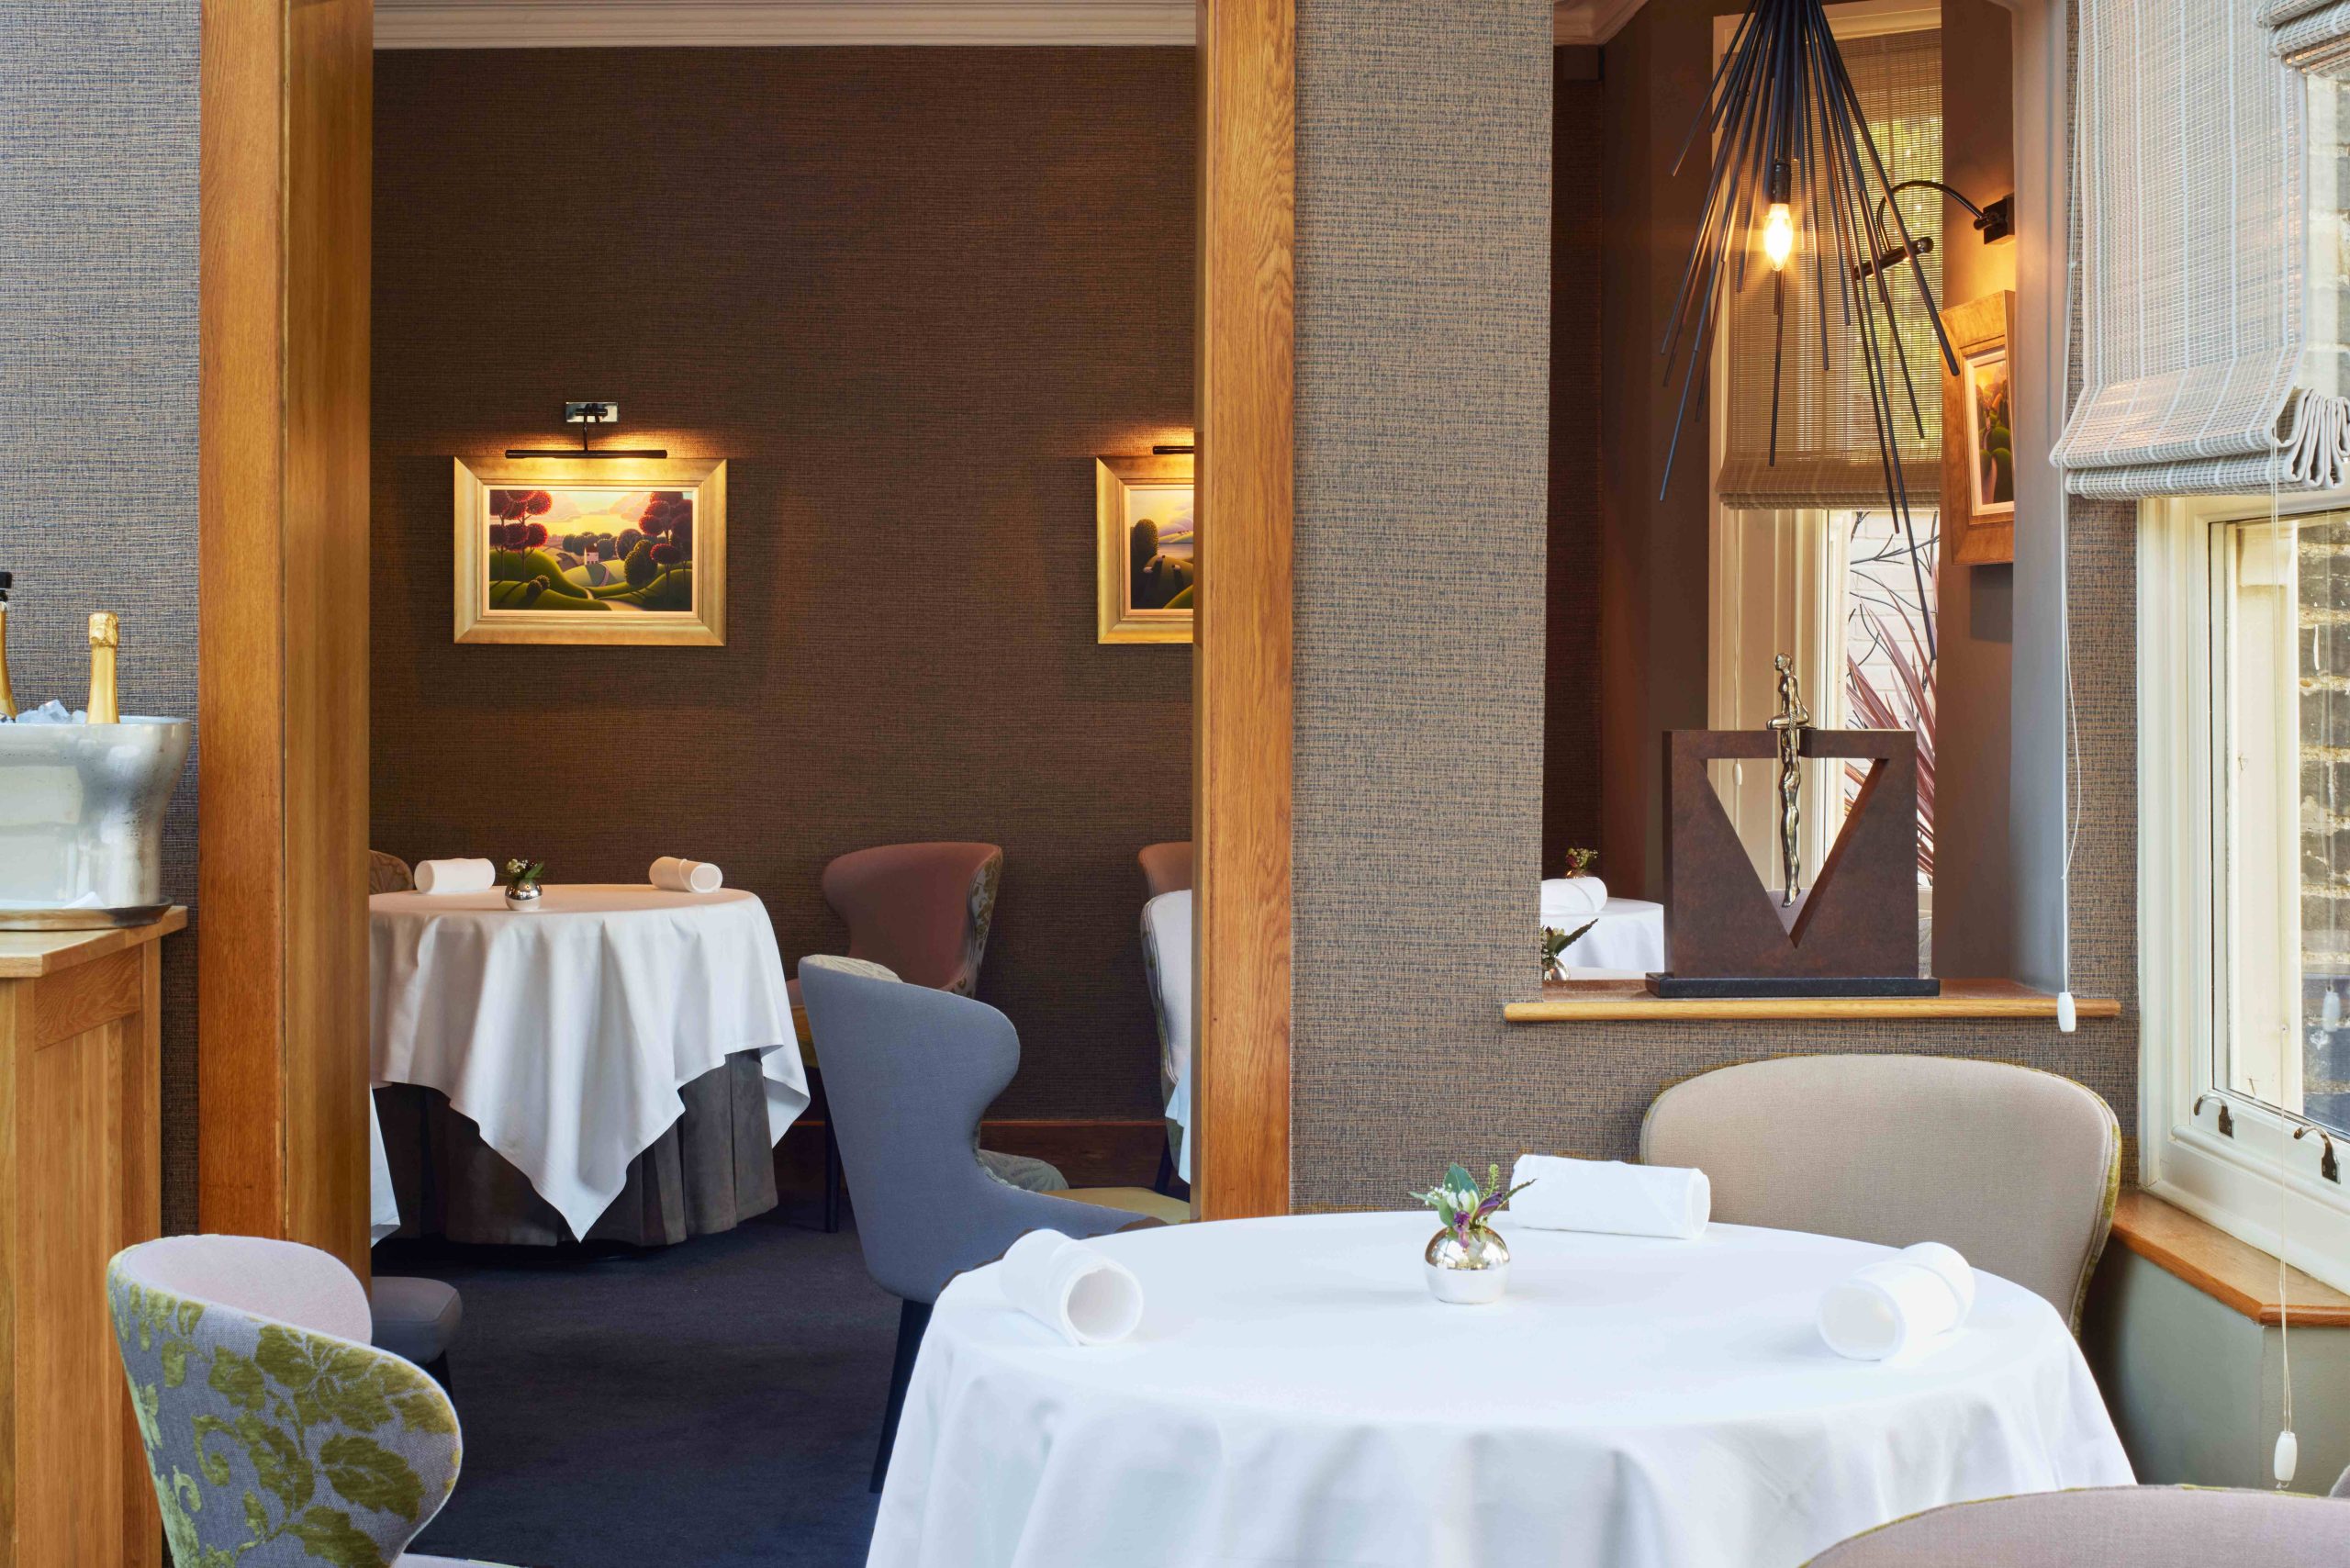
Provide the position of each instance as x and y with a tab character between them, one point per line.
276	1435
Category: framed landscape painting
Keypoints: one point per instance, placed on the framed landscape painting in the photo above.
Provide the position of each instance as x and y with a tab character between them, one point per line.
587	551
1978	432
1147	549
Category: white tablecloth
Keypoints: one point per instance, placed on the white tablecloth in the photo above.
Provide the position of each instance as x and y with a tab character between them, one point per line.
1167	950
1296	1397
565	1033
1629	937
383	1203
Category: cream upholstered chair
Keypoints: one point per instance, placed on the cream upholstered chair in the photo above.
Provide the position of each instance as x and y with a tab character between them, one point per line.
274	1432
2015	1168
2147	1527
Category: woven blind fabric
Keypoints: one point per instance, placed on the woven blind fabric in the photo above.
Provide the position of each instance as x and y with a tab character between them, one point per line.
1827	448
2312	36
2194	229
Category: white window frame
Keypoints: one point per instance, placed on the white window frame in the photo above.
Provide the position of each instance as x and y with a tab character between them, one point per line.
2259	1184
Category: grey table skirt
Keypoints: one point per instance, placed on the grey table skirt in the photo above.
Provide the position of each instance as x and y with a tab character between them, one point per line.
712	1169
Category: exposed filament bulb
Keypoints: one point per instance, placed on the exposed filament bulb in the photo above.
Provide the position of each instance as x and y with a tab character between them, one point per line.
1779	235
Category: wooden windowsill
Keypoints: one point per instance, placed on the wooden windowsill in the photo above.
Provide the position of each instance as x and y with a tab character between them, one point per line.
28	955
2232	1272
1624	1001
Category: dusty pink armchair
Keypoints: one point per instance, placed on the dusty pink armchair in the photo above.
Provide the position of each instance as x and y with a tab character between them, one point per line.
1167	868
922	910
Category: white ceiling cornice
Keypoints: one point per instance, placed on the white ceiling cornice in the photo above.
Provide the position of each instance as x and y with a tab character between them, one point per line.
1578	21
589	24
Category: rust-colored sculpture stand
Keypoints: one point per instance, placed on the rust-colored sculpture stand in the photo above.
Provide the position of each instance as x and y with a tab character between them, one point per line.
1853	934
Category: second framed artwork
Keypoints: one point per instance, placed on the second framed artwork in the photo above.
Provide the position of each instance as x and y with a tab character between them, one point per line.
1146	544
589	552
1978	432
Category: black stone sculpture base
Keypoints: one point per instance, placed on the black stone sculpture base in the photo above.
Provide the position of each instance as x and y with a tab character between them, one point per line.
1698	986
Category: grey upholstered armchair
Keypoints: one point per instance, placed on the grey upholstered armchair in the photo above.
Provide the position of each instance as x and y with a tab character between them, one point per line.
910	1072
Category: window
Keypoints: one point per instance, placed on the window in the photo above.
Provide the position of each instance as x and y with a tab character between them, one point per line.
2244	870
1890	589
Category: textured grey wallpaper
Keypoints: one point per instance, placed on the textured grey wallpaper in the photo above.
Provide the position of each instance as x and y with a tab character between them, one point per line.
1423	423
97	400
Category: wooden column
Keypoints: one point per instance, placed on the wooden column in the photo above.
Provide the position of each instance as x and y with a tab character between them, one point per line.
1241	664
286	107
81	1163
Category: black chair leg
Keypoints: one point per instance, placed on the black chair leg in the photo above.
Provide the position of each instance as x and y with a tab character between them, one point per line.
1164	1181
832	1180
437	1369
914	1317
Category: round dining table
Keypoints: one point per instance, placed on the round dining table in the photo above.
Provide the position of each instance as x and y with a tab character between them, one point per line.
1295	1396
566	1032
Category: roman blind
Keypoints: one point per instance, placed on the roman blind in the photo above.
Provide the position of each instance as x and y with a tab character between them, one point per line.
2311	35
1827	448
2202	373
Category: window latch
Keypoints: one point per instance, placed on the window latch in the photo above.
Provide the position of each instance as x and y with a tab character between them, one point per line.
2227	1123
2327	1165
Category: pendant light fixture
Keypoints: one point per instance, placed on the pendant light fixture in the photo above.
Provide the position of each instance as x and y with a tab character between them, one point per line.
1798	184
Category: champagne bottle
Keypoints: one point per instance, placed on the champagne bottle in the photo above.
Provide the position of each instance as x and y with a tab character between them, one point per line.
106	636
7	697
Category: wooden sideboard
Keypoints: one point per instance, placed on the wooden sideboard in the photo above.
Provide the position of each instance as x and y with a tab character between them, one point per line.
80	1178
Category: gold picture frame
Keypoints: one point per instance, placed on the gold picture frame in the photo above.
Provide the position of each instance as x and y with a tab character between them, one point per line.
1978	426
644	562
1146	581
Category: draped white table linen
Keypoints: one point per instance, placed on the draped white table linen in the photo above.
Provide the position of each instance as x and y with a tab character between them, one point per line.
1629	937
1167	950
383	1200
1295	1397
565	1032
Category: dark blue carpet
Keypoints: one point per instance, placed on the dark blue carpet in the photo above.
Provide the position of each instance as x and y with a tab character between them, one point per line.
715	1402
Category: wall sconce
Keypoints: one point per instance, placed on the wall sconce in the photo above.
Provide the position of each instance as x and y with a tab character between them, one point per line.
1995	223
586	416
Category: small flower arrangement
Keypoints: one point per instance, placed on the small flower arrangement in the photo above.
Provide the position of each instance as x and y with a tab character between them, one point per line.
1579	862
1555	942
523	877
1464	1208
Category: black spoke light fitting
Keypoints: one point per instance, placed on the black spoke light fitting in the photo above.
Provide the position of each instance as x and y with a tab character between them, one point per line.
1797	172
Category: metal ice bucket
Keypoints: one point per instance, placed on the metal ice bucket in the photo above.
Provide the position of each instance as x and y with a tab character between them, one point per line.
82	821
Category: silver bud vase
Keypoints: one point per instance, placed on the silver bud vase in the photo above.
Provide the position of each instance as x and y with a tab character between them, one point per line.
1467	1271
521	899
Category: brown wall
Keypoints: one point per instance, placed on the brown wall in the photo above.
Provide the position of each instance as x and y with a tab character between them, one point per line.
1654	553
1571	692
908	293
1973	882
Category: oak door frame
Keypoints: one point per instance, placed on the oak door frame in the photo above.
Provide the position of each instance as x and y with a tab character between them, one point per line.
285	136
285	149
1241	686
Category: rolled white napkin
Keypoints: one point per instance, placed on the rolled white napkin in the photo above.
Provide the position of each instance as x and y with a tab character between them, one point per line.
455	876
687	876
1072	1289
1573	898
1611	1196
1897	1303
